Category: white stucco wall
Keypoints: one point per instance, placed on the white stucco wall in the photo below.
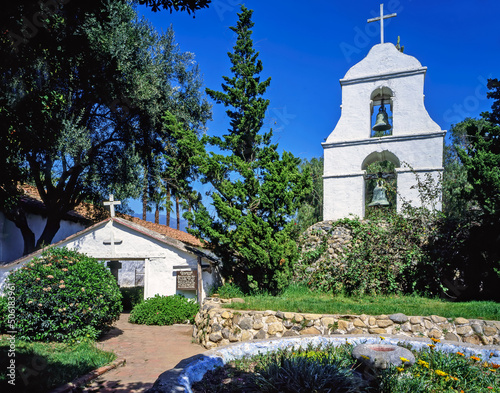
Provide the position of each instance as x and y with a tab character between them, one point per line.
11	240
416	140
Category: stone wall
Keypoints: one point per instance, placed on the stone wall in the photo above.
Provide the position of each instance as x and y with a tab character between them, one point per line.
216	326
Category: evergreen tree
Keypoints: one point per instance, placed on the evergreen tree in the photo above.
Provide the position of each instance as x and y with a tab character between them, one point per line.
255	190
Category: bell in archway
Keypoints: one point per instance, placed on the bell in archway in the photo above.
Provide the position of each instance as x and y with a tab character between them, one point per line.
382	120
379	195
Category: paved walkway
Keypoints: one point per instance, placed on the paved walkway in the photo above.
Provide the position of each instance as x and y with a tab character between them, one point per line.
149	351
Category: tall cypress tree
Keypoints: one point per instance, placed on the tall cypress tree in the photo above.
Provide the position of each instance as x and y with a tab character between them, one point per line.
255	190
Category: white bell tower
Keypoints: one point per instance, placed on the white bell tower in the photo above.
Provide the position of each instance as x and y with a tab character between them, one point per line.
393	80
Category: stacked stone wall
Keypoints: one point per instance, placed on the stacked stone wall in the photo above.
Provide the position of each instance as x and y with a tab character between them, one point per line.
216	326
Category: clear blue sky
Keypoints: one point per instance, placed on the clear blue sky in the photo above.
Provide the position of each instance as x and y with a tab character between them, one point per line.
307	46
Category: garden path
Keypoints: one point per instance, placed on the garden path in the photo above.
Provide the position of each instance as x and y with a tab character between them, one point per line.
148	350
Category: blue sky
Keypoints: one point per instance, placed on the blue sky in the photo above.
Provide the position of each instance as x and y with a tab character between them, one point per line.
306	47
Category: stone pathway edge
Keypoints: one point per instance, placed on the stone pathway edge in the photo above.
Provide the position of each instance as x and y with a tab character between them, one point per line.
70	386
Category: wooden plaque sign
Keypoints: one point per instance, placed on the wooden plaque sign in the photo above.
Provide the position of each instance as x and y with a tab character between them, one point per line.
187	280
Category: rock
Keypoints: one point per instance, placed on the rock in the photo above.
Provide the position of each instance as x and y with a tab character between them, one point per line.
226	315
451	337
359	323
417	328
290	333
245	323
461	321
312	317
464	330
415	320
383	323
477	328
398	318
275	328
406	327
246	335
261	334
327	321
234	337
428	324
472	340
377	331
237	300
356	331
271	319
343	325
225	333
287	324
257	325
210	345
280	314
310	330
215	337
288	315
434	333
489	331
298	317
269	312
372	321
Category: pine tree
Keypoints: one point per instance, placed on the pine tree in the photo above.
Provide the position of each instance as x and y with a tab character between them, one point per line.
255	190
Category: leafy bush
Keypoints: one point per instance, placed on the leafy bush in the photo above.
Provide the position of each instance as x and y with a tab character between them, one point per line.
3	315
131	296
164	310
229	290
64	295
386	255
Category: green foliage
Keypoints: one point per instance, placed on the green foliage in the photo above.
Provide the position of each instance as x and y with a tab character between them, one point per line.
64	295
3	315
314	369
131	296
436	371
229	290
82	105
255	190
384	256
310	210
164	310
42	367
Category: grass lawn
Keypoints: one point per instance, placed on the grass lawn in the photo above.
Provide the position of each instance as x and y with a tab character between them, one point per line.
303	300
41	367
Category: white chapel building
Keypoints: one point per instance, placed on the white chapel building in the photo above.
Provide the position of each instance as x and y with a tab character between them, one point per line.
391	81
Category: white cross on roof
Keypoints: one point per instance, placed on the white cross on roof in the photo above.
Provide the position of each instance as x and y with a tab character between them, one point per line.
111	203
381	19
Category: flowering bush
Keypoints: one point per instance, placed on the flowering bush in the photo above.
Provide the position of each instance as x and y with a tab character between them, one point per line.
164	310
64	295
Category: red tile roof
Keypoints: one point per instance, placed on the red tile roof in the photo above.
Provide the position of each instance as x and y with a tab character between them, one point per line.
92	214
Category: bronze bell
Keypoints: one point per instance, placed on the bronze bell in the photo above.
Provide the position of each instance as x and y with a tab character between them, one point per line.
382	120
379	197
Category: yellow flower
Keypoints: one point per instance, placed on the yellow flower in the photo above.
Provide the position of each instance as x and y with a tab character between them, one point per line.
400	369
382	338
441	373
492	370
404	360
365	357
435	340
423	363
431	346
475	358
460	353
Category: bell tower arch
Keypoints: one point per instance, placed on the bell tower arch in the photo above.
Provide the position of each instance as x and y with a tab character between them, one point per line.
389	81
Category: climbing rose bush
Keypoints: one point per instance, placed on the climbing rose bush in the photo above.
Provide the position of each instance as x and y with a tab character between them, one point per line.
64	295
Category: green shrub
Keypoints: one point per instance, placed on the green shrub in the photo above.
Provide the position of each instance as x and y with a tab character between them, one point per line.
131	296
64	295
164	310
3	315
229	290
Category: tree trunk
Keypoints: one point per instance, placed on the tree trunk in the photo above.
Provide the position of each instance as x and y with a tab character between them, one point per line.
178	212
145	195
157	214
189	222
169	195
51	227
18	217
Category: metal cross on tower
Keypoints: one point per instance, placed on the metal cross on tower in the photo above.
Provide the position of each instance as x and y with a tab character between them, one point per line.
381	19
